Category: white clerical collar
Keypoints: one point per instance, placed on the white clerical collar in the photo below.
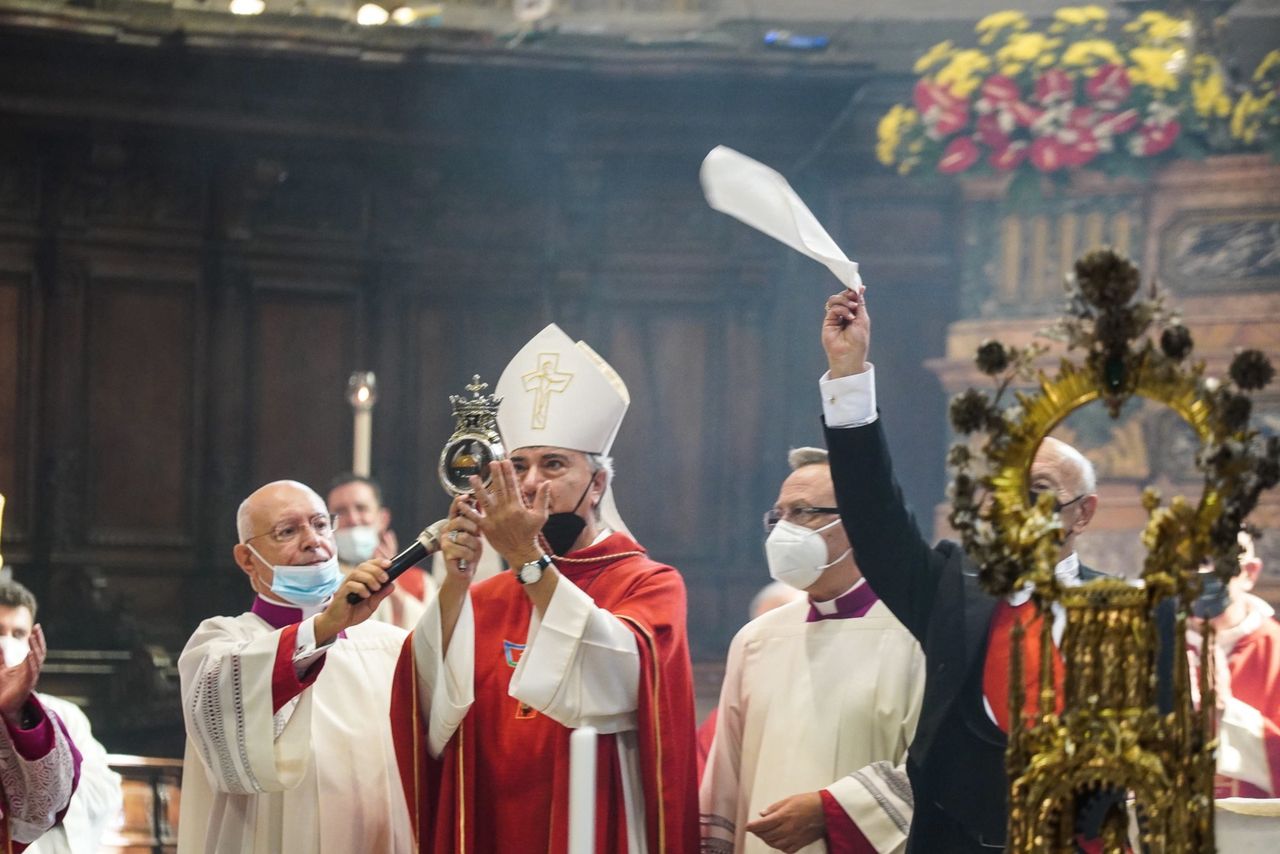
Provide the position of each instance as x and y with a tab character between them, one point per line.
1067	572
829	607
605	533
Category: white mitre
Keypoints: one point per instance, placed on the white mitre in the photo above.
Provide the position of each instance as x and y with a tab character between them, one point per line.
560	393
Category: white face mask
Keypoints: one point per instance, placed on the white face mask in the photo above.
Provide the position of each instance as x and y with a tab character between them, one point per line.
357	543
798	555
14	650
304	586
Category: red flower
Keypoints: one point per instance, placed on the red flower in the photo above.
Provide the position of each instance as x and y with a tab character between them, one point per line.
990	133
999	90
1109	86
1081	118
950	120
1079	146
1155	139
929	95
1048	154
958	156
1024	113
1054	85
1114	124
1009	157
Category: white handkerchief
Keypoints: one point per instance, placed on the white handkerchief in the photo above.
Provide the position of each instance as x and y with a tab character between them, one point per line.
757	195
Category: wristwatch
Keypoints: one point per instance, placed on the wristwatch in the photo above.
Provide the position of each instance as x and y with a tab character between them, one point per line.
531	572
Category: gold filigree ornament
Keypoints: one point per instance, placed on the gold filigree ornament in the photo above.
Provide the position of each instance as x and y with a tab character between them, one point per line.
1105	750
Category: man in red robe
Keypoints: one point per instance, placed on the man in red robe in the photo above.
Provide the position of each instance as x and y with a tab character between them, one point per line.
1247	634
583	630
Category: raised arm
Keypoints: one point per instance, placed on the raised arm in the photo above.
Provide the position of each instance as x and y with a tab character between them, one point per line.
893	556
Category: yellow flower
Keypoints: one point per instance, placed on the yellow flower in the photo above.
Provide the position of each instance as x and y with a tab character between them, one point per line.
889	132
1244	121
1154	66
994	24
933	56
1026	47
1159	27
1270	61
1091	52
963	73
1011	69
1209	96
1078	16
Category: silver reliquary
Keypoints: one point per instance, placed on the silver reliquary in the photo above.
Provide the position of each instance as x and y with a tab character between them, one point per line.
475	442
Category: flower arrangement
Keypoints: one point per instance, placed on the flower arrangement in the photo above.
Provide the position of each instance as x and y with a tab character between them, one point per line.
1071	96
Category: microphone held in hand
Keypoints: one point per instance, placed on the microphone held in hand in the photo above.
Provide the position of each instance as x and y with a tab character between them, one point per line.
427	543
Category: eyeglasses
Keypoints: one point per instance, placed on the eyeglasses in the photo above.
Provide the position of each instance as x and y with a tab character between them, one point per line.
323	524
1058	506
796	516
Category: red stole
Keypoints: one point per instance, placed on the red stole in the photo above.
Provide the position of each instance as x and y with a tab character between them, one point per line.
503	777
995	671
1255	679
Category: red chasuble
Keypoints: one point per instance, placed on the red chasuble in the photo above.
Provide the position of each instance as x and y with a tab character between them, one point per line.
502	783
1255	680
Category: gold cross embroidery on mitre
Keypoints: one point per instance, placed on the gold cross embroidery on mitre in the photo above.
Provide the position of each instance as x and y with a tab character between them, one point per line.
545	381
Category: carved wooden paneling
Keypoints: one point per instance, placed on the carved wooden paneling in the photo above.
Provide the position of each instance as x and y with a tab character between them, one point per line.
13	407
304	350
140	386
667	441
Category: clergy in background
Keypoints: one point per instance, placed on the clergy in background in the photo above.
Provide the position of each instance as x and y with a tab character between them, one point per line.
582	629
1248	686
97	799
282	703
363	533
820	698
39	765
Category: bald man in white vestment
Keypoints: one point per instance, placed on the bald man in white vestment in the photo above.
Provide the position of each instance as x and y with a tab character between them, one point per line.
288	746
820	698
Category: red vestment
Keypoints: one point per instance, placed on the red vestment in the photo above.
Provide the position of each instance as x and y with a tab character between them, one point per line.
502	781
1254	663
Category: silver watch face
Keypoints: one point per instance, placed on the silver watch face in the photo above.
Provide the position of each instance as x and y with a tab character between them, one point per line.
530	572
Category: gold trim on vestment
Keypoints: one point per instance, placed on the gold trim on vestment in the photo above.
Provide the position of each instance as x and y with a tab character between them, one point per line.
657	728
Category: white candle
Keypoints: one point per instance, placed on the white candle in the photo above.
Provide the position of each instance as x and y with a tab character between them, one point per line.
582	790
363	439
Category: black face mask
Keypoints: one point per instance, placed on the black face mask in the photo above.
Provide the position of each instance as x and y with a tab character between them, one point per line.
563	529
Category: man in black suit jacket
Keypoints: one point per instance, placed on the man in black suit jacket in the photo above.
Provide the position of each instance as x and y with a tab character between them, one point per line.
956	761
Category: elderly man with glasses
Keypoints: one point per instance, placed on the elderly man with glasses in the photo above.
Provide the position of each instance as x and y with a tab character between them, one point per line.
820	697
284	704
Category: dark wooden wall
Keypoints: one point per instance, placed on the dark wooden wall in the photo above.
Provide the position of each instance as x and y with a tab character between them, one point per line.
196	248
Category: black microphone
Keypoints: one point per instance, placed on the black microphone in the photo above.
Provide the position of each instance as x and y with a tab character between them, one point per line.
428	542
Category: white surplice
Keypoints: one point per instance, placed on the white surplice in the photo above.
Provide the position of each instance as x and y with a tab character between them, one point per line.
35	789
97	799
806	706
319	776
